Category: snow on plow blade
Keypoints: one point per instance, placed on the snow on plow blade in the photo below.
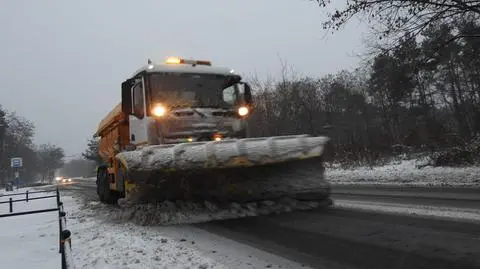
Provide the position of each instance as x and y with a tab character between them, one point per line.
233	170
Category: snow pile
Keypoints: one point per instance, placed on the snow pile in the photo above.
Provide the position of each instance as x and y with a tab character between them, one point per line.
187	212
406	172
29	241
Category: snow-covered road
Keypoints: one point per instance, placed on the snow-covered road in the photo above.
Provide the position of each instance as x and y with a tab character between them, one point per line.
98	243
31	241
369	230
385	234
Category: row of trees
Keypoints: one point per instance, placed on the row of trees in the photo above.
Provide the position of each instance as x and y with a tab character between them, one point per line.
423	93
16	140
419	89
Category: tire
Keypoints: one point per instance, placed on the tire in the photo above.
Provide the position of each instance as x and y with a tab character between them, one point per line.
103	188
100	182
121	177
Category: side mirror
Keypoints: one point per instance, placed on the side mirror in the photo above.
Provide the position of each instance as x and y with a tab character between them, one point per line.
247	95
127	97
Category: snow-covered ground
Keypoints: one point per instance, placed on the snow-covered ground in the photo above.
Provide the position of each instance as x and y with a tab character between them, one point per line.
405	172
107	245
29	241
138	241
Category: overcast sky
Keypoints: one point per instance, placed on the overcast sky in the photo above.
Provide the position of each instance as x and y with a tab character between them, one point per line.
62	62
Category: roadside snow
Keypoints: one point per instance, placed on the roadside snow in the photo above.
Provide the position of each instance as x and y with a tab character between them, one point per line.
106	245
29	241
405	173
99	243
455	214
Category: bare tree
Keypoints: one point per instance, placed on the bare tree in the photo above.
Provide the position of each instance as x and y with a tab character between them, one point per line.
50	158
395	18
17	141
91	152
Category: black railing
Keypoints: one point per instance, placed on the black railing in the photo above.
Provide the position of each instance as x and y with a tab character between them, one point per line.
65	247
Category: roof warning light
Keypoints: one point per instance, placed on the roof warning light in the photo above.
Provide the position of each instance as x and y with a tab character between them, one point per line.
177	60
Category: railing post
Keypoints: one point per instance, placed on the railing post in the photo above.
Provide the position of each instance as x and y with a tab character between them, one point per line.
65	236
10	202
60	227
64	263
60	246
26	196
58	198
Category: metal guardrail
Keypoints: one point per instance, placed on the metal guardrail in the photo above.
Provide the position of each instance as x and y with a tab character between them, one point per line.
65	243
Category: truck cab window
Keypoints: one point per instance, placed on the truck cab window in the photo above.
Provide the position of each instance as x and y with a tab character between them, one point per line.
230	95
138	102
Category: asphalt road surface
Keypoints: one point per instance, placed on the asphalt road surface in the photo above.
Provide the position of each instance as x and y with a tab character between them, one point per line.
342	237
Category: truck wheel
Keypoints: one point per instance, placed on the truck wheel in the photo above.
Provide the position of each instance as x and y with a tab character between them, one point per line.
101	173
103	188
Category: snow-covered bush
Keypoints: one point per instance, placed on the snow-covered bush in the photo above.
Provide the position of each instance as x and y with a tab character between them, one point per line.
467	154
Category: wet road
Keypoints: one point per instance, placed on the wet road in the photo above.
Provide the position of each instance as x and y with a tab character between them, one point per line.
352	238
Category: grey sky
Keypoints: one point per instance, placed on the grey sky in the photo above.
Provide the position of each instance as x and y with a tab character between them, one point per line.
62	62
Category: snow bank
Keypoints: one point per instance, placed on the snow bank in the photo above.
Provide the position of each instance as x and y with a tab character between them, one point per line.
405	173
29	241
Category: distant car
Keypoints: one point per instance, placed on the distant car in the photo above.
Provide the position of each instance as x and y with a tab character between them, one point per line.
60	180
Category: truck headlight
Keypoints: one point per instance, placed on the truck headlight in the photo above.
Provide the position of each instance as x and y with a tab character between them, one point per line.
159	110
243	111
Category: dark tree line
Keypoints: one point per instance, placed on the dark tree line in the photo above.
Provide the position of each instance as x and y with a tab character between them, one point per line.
423	94
16	140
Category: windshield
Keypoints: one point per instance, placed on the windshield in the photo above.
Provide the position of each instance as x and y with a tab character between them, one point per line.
194	90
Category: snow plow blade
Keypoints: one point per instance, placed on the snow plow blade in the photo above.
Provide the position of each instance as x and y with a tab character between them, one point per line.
241	170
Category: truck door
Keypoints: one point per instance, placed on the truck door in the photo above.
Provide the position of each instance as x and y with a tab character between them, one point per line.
138	119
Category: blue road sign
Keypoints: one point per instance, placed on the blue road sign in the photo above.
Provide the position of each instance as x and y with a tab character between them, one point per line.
16	162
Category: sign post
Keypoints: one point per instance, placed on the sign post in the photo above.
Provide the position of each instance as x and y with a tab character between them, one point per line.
16	163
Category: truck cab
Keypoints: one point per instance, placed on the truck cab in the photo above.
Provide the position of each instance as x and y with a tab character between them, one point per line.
185	101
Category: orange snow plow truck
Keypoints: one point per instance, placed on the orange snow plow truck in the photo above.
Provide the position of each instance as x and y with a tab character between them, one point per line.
181	133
